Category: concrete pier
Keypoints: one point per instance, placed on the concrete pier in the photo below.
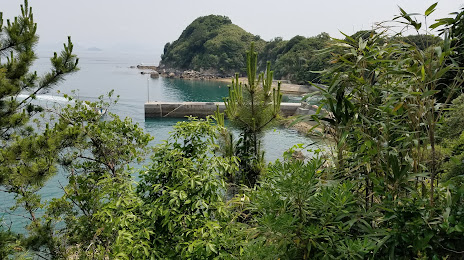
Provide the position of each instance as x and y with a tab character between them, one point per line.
198	109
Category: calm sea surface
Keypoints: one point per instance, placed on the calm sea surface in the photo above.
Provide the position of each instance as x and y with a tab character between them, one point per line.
100	73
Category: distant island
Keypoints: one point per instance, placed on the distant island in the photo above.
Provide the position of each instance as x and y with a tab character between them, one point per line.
213	47
94	49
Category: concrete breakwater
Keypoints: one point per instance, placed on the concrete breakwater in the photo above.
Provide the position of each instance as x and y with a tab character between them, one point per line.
199	109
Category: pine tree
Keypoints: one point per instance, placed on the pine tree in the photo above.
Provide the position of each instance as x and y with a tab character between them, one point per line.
17	41
251	107
27	156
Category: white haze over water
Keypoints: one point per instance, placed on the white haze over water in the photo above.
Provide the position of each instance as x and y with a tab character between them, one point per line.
144	26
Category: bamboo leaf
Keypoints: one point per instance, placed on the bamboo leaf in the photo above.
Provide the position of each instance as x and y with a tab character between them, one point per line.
429	93
296	121
423	73
431	9
441	72
348	37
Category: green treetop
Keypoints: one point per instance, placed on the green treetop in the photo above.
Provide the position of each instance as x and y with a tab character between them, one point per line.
26	156
17	41
252	107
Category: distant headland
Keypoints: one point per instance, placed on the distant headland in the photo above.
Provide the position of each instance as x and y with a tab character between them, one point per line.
94	49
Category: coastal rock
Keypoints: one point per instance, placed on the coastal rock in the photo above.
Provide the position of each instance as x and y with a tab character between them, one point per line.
191	74
298	155
198	75
171	75
154	75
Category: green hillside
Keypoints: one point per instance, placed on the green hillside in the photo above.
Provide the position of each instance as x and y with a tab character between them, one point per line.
299	58
210	43
213	44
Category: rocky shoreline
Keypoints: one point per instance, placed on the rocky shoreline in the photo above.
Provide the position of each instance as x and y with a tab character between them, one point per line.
156	72
176	73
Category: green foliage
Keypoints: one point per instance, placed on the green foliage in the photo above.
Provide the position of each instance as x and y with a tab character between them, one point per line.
183	193
302	58
28	155
388	192
96	216
383	105
453	167
414	228
271	52
455	27
451	138
213	43
383	112
299	215
17	40
453	121
96	153
210	43
252	107
457	34
452	224
363	34
421	41
10	244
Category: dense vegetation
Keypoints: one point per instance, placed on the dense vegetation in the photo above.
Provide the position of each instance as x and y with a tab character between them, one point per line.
214	45
389	184
210	43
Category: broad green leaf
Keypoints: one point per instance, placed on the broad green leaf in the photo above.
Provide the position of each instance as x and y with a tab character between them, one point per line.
423	73
212	247
431	9
362	44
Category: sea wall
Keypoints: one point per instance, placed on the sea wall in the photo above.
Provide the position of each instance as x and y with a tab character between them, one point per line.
198	109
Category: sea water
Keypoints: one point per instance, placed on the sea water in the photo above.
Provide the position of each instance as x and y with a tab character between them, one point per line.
102	72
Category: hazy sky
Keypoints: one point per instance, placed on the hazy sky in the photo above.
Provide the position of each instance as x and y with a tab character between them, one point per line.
146	25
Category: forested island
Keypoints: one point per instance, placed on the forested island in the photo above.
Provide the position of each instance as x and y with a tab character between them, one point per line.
388	185
213	46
